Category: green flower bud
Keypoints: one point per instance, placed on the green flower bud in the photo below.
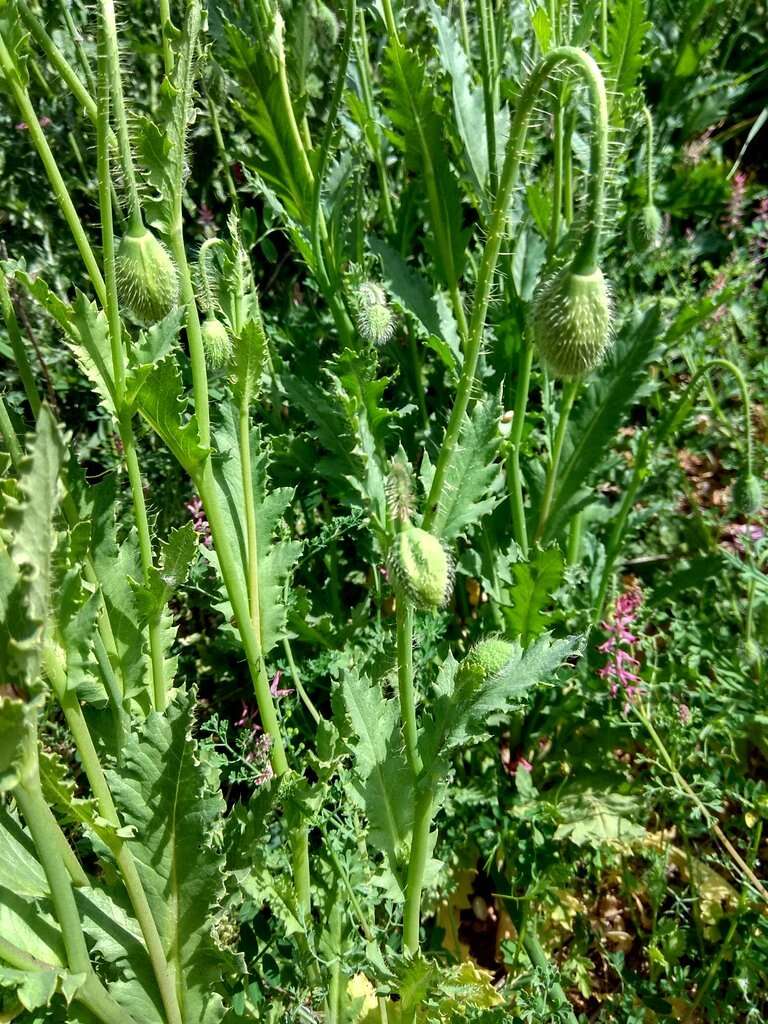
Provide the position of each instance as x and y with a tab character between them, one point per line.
375	320
485	661
646	228
747	494
572	321
421	568
147	278
216	342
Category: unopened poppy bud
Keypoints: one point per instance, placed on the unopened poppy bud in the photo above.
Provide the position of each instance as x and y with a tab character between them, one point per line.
747	494
147	278
421	568
485	661
374	317
216	342
572	321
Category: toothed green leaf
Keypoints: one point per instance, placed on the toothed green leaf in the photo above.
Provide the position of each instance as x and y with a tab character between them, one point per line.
161	400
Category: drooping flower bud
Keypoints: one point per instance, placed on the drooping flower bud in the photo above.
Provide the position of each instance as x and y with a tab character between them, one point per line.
421	568
572	321
646	228
216	342
747	494
147	278
484	661
374	317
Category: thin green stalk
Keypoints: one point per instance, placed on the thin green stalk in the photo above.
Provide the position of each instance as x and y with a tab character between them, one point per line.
575	531
305	698
165	32
56	58
648	447
464	28
488	71
725	842
252	550
89	759
604	26
404	627
584	65
300	153
522	385
570	389
27	111
9	436
557	182
77	41
109	75
648	154
213	114
17	346
112	56
364	69
417	864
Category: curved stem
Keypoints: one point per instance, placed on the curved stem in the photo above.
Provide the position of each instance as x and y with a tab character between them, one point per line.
570	388
27	111
584	65
646	449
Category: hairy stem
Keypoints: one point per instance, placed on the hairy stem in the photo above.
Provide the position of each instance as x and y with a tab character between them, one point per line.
570	389
417	863
404	628
522	385
27	111
581	63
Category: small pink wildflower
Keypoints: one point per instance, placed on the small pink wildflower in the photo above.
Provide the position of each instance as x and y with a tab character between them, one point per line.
260	744
525	764
684	713
274	686
619	647
735	215
199	521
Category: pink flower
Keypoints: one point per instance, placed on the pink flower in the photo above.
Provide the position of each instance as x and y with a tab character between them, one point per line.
684	713
199	521
619	646
735	215
274	686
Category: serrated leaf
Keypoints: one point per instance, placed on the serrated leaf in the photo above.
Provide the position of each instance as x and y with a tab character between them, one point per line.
419	130
472	478
116	564
468	105
153	346
532	586
383	782
29	521
161	792
626	34
162	401
276	558
461	708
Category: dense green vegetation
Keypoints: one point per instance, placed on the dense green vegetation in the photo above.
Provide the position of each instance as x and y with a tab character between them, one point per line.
383	594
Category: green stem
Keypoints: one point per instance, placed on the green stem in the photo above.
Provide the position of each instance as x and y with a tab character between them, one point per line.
252	568
9	436
515	441
306	699
17	346
27	111
584	65
703	810
649	446
539	959
417	864
404	627
488	71
89	758
648	154
109	42
570	389
557	183
300	153
165	27
575	531
364	68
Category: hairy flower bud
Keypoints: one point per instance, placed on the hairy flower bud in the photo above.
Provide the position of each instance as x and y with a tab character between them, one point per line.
375	320
216	342
147	278
572	321
747	494
485	661
646	228
421	568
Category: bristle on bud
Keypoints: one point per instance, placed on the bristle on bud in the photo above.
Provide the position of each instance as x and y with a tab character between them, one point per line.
147	278
572	322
